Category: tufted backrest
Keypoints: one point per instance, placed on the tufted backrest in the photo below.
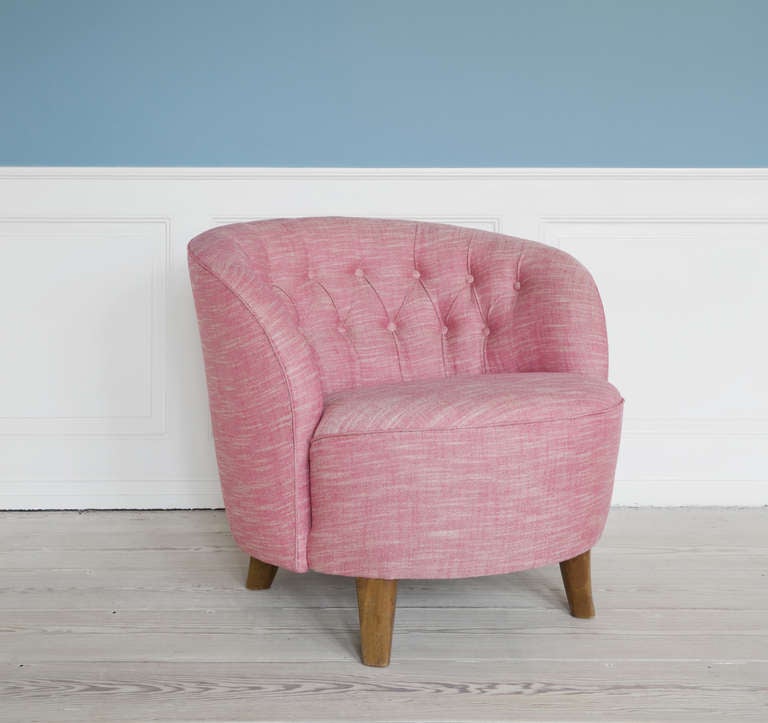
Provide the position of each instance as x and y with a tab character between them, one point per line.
382	300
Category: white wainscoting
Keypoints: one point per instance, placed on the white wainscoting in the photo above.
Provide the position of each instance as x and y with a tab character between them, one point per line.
102	393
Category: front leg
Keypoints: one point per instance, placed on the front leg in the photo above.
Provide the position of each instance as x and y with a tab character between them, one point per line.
260	575
577	578
376	606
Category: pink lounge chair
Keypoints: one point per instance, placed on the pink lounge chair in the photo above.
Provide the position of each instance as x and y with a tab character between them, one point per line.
397	399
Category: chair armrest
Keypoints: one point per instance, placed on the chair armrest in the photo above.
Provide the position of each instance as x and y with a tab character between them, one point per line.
557	323
265	400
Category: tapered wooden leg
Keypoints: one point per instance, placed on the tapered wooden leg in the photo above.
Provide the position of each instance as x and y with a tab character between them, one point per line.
376	604
577	578
260	575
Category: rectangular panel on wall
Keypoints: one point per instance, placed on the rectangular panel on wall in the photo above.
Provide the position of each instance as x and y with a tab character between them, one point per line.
84	320
683	300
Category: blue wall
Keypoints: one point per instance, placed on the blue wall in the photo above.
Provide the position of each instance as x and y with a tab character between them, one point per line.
384	83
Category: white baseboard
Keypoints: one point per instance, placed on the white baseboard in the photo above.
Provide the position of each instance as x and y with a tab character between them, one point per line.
735	493
109	494
103	377
200	494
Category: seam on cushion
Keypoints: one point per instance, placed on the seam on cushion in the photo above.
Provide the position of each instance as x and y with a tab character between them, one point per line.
484	350
289	388
435	308
453	303
377	295
289	298
607	410
394	336
397	354
516	297
404	301
330	298
355	354
473	293
384	308
440	324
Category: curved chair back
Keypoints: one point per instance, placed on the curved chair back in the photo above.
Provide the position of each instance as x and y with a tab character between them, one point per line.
382	300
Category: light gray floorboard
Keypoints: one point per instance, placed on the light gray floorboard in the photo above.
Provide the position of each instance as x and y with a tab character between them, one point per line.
143	616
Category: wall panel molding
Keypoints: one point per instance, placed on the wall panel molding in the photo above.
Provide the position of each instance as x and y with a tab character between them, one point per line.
104	403
36	248
484	223
695	236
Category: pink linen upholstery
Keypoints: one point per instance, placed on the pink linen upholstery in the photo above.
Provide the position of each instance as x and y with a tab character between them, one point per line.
470	475
295	314
463	402
265	402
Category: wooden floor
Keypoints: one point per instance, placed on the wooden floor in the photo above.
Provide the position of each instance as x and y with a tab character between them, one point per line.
144	616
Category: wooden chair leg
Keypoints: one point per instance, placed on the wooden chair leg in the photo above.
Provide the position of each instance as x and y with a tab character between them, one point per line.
260	575
577	578
376	605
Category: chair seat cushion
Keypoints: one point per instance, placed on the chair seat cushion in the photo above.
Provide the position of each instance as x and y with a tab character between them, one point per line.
462	402
462	476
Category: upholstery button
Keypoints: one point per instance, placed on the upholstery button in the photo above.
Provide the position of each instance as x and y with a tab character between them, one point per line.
310	274
517	286
359	273
341	329
486	331
470	278
416	274
392	326
444	330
